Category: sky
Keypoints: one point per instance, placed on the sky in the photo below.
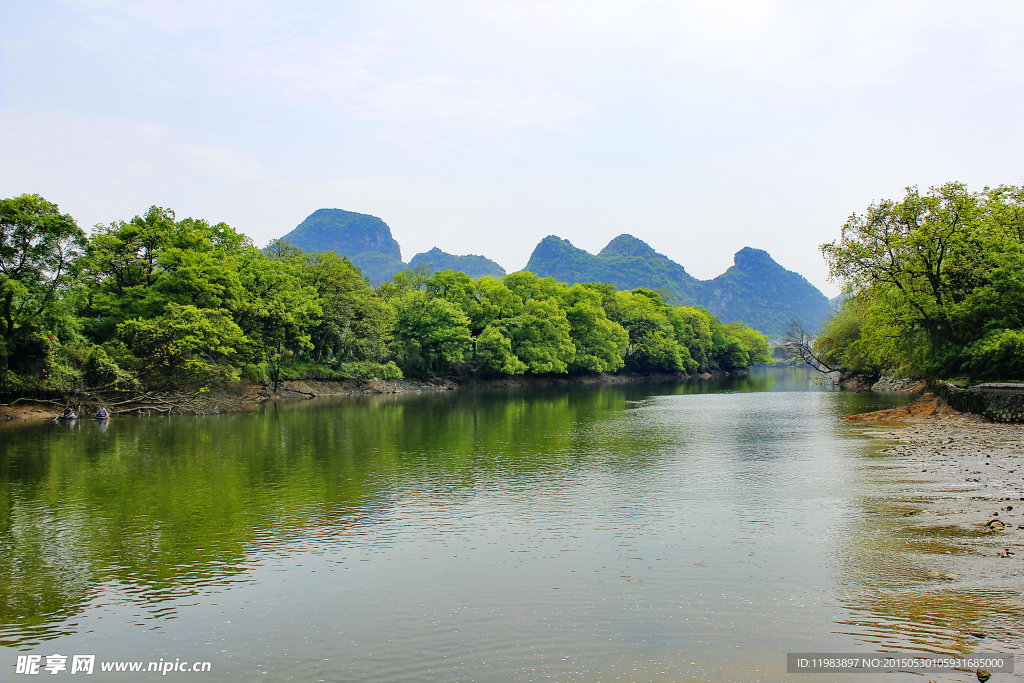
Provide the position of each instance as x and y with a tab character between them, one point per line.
481	127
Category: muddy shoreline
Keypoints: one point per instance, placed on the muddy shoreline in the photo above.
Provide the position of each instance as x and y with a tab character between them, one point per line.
962	487
247	396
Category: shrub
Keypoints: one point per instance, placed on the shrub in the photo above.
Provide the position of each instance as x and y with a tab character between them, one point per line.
997	355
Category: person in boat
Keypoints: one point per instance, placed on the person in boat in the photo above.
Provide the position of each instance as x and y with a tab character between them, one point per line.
102	413
68	412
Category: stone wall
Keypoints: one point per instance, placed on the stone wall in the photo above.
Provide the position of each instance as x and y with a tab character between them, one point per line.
1003	402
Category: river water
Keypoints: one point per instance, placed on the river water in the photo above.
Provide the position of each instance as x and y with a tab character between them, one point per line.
635	532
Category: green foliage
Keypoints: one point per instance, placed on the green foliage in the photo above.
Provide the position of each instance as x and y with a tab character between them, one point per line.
1000	353
493	302
277	310
101	372
432	335
653	342
494	353
936	284
840	343
363	370
540	337
157	302
184	344
599	342
39	251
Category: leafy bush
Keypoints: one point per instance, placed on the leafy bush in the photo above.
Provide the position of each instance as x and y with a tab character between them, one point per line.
997	355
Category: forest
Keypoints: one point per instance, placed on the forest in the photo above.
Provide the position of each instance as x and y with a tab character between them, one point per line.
160	303
934	288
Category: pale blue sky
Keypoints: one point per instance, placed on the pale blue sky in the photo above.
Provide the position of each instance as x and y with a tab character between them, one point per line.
481	127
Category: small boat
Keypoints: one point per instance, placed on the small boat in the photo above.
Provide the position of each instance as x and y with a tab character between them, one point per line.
70	416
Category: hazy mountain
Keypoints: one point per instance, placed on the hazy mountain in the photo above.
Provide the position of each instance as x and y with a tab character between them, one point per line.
761	293
626	262
756	290
471	264
366	240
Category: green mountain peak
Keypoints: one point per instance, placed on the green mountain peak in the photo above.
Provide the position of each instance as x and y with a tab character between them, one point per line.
366	240
755	290
471	264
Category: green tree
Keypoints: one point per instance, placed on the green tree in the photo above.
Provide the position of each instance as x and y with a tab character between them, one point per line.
932	276
134	268
653	342
39	250
541	337
184	346
698	336
431	334
277	310
453	286
494	353
493	302
753	343
355	323
599	342
526	285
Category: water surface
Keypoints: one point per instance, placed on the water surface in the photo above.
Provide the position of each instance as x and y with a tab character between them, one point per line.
635	532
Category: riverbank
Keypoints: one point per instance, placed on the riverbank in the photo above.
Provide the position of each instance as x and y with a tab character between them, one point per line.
963	479
249	396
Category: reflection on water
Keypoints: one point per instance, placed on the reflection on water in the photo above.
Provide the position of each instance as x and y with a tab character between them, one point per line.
629	532
938	620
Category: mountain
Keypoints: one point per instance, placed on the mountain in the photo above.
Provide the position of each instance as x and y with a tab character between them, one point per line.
755	290
626	262
368	243
365	240
471	264
759	292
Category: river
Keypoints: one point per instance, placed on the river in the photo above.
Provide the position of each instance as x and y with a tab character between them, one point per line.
631	532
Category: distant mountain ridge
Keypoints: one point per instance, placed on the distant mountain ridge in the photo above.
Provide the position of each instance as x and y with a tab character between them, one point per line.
755	290
471	264
367	242
625	261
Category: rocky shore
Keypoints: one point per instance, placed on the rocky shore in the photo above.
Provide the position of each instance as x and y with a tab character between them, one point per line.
248	396
962	483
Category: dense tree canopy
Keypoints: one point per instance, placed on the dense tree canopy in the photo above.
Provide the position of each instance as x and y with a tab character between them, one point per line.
39	251
160	302
936	283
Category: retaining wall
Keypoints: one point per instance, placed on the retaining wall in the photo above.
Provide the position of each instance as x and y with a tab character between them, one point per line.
1003	402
